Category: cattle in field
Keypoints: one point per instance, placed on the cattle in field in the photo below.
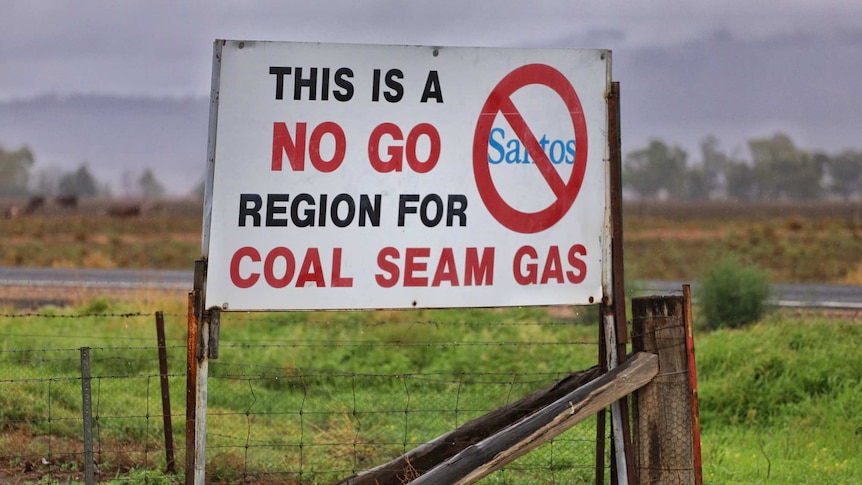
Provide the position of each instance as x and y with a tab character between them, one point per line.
67	201
34	204
125	210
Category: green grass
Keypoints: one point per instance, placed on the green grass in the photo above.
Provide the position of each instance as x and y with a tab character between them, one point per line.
353	388
780	400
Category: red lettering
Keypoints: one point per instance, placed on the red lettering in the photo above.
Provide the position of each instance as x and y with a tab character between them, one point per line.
446	270
525	266
235	277
479	272
283	143
412	266
327	128
311	270
393	162
385	264
553	266
578	264
531	268
337	280
428	130
279	268
269	265
397	154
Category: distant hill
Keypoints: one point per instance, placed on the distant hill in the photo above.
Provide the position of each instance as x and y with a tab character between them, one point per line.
113	135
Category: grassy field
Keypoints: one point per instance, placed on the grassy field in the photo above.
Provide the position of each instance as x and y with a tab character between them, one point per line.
818	242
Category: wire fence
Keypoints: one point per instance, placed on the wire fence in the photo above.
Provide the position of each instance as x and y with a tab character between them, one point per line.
297	398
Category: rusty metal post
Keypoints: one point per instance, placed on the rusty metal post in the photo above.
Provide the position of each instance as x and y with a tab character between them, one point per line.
692	377
166	393
199	354
191	388
614	310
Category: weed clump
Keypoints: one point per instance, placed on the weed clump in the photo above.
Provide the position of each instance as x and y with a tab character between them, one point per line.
732	294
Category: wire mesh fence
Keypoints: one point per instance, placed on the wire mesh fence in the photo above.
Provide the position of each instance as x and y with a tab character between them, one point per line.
293	398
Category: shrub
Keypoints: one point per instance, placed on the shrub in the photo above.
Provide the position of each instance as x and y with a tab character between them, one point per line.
733	294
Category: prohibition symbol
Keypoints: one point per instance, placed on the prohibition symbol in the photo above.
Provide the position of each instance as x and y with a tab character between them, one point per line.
500	102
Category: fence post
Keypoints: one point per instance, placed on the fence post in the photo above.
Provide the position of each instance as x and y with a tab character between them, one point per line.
166	393
191	389
87	411
663	408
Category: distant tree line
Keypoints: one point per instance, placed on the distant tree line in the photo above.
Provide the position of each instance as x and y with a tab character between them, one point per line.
17	179
777	171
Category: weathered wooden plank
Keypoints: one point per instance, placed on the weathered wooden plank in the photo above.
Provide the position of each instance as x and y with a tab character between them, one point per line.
516	440
424	457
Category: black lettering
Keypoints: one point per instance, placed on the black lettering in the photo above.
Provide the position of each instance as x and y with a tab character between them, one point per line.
254	210
375	86
368	210
272	209
432	88
279	72
305	210
404	209
397	90
351	210
457	205
299	82
324	84
307	217
438	214
342	80
321	221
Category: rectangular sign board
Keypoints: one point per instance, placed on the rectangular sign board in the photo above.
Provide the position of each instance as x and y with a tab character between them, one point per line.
367	177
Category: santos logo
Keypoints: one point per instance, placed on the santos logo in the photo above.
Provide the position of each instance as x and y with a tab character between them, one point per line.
513	151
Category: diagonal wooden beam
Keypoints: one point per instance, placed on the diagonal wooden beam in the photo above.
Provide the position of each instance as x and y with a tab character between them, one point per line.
495	452
427	456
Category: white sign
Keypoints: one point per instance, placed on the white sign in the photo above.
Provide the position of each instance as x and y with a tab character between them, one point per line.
357	176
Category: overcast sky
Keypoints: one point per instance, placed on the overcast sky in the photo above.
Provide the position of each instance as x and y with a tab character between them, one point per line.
162	47
735	68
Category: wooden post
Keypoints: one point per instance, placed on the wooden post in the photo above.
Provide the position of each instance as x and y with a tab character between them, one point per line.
166	394
87	408
663	408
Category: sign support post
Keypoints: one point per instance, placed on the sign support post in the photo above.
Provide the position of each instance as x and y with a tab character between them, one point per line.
614	307
199	353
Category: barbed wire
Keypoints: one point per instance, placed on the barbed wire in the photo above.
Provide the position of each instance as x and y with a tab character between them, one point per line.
88	337
78	315
77	349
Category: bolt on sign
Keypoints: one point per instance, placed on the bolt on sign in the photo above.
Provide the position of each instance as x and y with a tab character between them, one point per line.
370	176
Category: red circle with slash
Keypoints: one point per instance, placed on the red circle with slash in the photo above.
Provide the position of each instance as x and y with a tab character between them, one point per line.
565	191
